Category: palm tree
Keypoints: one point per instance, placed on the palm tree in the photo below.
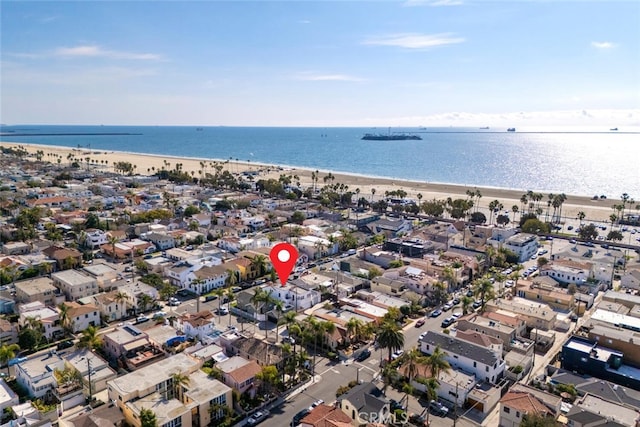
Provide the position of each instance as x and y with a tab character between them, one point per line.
437	362
8	352
179	381
144	300
231	279
484	288
121	298
466	303
278	307
354	328
112	240
390	336
64	317
431	388
90	338
259	263
35	324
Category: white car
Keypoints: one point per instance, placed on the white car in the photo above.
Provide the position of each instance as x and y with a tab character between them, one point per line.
257	417
397	354
509	283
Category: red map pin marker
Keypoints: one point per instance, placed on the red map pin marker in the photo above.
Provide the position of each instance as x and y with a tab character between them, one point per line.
283	257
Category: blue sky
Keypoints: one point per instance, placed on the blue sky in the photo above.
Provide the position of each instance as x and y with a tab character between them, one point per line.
321	63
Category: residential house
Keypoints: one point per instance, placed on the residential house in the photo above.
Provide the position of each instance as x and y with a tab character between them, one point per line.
8	332
82	316
207	279
129	344
74	284
16	248
589	357
294	297
556	297
8	397
484	363
64	258
94	238
258	350
110	305
161	241
523	245
316	247
239	373
515	405
364	403
326	416
134	290
539	316
390	228
49	318
35	375
173	404
481	339
197	325
38	289
454	385
103	273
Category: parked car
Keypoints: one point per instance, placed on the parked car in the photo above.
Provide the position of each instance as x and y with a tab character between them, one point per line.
436	313
422	335
363	355
509	283
142	319
438	408
289	340
420	322
447	322
397	354
257	418
299	416
394	404
477	304
447	306
223	311
64	344
418	420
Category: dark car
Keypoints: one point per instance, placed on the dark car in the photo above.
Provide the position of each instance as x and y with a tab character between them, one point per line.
363	355
418	420
64	344
438	408
299	416
476	304
394	404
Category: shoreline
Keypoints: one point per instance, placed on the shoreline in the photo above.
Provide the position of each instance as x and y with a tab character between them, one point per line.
595	210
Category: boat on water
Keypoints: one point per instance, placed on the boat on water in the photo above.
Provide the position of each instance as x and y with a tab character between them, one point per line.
511	130
485	127
390	137
613	129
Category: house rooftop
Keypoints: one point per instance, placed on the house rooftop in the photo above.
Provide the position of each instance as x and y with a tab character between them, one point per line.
460	347
151	375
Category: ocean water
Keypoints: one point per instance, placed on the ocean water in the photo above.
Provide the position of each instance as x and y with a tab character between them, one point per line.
580	163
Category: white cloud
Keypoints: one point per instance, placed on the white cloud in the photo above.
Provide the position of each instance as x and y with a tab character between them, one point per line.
304	21
415	40
603	45
98	52
327	77
412	3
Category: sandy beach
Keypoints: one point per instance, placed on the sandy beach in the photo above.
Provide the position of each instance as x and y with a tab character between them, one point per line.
595	210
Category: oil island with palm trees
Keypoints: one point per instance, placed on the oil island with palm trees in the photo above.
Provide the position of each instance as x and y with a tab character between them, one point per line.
150	298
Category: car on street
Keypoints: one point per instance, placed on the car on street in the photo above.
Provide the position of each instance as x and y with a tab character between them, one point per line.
299	416
455	301
422	335
289	340
394	405
477	304
418	420
64	344
397	354
363	355
456	315
509	283
223	311
257	418
448	322
142	319
447	306
438	408
435	313
420	322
